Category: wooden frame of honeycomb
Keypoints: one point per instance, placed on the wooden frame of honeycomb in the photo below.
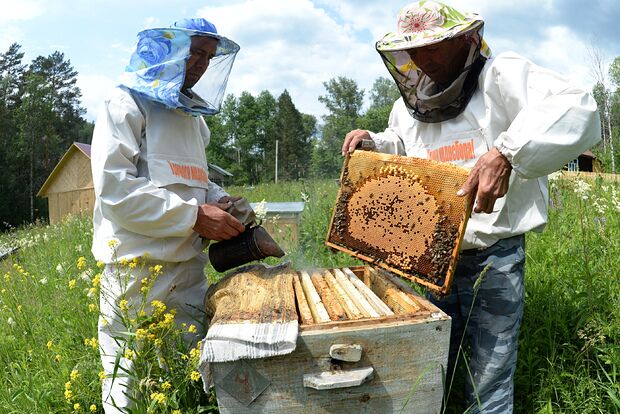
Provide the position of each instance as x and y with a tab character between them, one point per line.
402	214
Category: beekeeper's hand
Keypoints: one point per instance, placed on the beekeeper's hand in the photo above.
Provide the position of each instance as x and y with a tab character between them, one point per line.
488	179
355	139
214	223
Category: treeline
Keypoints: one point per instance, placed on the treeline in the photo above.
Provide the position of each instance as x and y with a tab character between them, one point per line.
40	116
253	133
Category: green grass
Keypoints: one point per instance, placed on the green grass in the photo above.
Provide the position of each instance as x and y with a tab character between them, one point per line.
569	354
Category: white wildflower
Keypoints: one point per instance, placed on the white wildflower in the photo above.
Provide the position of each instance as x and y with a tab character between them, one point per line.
261	210
305	197
85	276
10	321
43	281
78	248
553	176
582	189
59	268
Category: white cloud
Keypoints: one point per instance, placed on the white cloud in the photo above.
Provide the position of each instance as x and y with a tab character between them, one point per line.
94	89
294	45
20	10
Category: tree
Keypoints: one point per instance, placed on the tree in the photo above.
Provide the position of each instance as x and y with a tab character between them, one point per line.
36	137
343	101
603	94
383	93
293	138
11	77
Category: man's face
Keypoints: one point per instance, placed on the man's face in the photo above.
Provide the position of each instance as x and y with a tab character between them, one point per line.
201	51
443	61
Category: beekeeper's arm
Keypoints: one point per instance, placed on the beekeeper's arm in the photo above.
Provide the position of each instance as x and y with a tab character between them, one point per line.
550	123
388	141
134	202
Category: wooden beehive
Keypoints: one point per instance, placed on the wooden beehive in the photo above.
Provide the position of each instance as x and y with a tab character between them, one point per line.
367	343
402	214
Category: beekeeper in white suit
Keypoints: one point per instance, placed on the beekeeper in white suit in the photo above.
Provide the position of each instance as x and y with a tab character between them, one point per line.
153	196
510	121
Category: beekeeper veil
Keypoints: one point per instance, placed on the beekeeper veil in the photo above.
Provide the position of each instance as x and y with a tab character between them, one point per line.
429	25
157	68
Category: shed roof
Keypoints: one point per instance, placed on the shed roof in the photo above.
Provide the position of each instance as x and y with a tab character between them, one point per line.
220	170
76	146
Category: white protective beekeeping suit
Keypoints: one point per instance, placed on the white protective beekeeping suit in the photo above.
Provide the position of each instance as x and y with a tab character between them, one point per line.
534	116
150	175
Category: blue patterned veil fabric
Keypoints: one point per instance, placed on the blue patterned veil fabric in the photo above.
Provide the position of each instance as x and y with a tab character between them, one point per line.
157	67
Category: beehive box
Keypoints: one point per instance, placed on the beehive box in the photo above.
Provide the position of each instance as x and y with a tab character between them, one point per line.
367	344
402	214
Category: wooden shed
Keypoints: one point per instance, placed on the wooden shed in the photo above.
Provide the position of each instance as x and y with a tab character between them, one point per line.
69	188
219	176
586	162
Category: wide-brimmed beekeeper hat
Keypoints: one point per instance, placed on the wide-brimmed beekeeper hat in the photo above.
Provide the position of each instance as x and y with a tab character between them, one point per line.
158	65
428	22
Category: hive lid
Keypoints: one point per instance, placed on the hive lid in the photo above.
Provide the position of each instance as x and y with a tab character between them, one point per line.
402	214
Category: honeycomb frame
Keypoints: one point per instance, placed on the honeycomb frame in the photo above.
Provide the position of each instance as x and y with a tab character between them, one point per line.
402	214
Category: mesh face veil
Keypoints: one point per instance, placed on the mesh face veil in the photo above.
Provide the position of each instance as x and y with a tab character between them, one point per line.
443	91
157	68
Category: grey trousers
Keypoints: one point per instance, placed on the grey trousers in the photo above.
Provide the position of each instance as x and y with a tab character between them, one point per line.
494	309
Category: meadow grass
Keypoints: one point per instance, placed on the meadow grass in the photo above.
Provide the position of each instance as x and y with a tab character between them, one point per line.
569	354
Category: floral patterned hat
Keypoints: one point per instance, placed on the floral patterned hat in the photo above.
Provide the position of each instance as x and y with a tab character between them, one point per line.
427	22
157	67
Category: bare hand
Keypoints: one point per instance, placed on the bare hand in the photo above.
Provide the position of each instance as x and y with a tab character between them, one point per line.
353	139
214	223
489	179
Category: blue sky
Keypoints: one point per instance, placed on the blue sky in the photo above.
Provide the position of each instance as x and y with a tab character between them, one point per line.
298	44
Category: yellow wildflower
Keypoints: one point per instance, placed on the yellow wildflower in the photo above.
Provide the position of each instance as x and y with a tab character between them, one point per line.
68	385
97	280
57	358
68	395
92	342
141	333
92	307
72	284
102	375
100	265
166	385
112	243
192	328
194	353
50	344
159	397
129	354
77	407
74	375
81	263
176	412
123	262
19	308
93	408
194	376
123	305
158	307
7	277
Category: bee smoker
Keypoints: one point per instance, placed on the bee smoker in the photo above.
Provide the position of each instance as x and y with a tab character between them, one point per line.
253	244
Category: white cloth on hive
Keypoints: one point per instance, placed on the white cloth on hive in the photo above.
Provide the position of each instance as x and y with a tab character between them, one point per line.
253	315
